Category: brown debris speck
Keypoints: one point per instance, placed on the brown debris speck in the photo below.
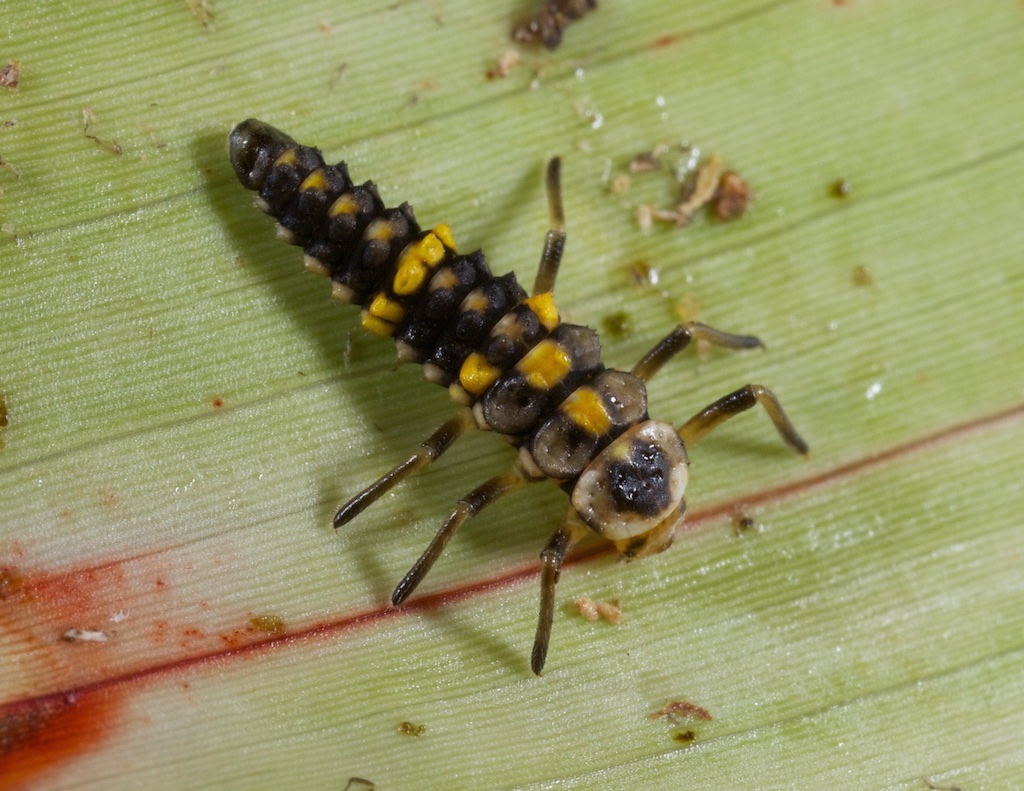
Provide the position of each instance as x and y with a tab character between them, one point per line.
507	61
548	24
733	196
617	325
268	624
646	161
840	188
685	737
642	273
409	729
862	277
673	710
743	523
10	75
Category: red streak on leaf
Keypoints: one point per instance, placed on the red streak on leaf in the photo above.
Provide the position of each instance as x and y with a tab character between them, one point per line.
44	729
39	735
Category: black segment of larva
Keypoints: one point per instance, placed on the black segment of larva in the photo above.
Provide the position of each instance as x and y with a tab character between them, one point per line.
504	355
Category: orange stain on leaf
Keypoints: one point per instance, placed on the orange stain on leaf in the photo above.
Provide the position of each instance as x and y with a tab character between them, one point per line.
42	734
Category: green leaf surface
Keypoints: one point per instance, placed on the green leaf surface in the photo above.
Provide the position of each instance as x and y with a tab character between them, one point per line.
186	408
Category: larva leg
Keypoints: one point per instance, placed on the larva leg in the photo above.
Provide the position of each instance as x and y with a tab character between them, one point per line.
740	401
428	451
467	507
554	243
551	568
677	340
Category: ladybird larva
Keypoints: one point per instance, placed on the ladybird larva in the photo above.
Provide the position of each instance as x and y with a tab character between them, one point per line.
504	356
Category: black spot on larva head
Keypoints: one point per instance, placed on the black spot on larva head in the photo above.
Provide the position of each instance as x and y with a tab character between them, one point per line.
640	482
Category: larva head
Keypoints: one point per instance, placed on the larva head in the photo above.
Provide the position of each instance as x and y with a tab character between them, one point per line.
255	146
632	492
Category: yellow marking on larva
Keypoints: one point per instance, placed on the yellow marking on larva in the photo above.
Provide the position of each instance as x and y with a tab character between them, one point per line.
477	374
417	260
345	204
288	157
315	181
430	249
409	277
379	229
587	410
545	365
544	306
377	326
386	308
444	233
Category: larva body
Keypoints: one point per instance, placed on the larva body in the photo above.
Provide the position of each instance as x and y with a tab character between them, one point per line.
503	355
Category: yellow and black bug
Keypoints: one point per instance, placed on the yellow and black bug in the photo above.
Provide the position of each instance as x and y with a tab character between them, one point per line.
503	355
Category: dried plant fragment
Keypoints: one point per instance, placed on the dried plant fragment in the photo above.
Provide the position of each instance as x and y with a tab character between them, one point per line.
410	729
642	273
157	142
705	187
593	610
507	61
550	21
733	196
10	75
673	710
647	161
84	636
337	74
202	10
89	117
